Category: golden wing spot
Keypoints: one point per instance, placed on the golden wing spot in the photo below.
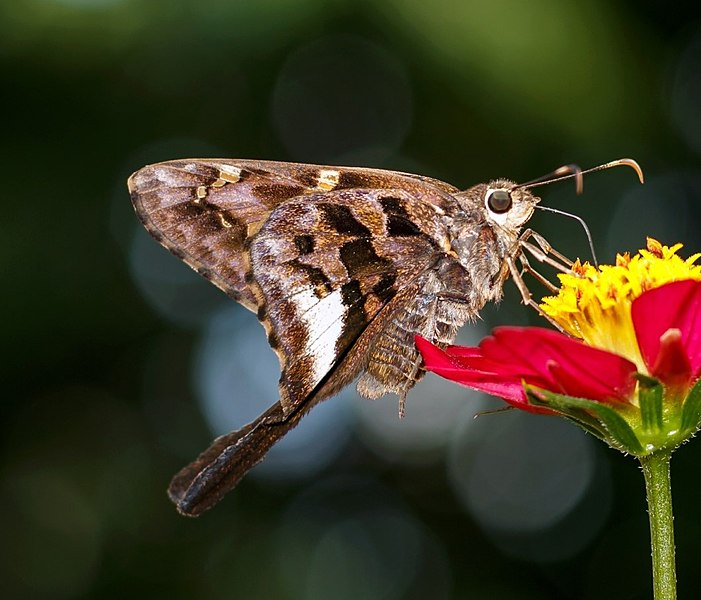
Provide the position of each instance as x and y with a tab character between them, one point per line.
253	227
328	179
228	174
224	221
447	247
201	192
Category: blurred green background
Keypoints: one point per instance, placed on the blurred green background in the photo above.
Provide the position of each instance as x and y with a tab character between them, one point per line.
120	365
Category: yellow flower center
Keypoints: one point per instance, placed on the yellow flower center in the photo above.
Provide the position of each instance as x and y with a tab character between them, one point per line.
593	303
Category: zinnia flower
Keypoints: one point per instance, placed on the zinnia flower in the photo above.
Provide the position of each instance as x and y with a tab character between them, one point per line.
627	365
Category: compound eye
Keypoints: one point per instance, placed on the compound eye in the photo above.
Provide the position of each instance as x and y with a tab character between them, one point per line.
499	201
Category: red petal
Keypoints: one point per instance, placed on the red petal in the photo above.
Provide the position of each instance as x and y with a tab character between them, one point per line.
540	357
613	381
675	305
452	365
463	351
672	365
570	366
434	357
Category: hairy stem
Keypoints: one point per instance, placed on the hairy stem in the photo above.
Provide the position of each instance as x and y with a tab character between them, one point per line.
659	502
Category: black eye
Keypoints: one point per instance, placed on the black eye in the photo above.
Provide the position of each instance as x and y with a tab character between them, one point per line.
499	201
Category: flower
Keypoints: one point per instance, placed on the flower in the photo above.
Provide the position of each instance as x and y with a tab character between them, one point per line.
626	367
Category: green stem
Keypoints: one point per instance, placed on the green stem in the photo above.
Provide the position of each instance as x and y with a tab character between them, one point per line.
659	502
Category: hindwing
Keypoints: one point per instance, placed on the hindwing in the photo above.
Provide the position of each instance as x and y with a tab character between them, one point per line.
317	252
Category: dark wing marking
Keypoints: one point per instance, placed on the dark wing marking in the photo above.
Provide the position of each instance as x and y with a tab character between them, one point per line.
319	297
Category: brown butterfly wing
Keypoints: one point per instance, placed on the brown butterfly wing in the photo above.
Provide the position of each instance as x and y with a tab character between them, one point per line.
324	255
315	251
205	210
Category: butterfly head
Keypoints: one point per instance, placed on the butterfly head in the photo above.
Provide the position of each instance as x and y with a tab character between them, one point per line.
500	204
492	217
505	205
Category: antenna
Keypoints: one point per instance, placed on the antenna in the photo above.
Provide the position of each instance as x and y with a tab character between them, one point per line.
569	171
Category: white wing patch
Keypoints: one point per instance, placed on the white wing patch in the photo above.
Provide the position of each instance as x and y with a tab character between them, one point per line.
323	320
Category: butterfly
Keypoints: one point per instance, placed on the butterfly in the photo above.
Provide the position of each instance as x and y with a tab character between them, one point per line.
343	267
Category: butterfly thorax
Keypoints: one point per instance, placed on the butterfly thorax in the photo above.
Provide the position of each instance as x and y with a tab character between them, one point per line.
482	239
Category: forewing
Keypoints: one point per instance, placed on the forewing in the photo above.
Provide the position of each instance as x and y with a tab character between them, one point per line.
205	210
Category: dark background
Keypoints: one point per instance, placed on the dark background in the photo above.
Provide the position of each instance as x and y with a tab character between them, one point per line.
118	365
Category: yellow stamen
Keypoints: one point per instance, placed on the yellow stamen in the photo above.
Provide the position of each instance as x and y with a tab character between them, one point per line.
594	303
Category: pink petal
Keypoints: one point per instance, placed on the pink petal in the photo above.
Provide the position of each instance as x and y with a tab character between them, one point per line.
675	305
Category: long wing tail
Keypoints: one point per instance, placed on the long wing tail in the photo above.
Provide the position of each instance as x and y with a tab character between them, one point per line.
202	483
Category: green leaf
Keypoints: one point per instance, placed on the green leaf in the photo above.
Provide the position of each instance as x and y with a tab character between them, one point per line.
650	395
579	417
591	426
691	412
617	429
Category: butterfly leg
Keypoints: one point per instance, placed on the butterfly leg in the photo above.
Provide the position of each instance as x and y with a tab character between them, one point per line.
539	277
526	296
543	251
540	252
